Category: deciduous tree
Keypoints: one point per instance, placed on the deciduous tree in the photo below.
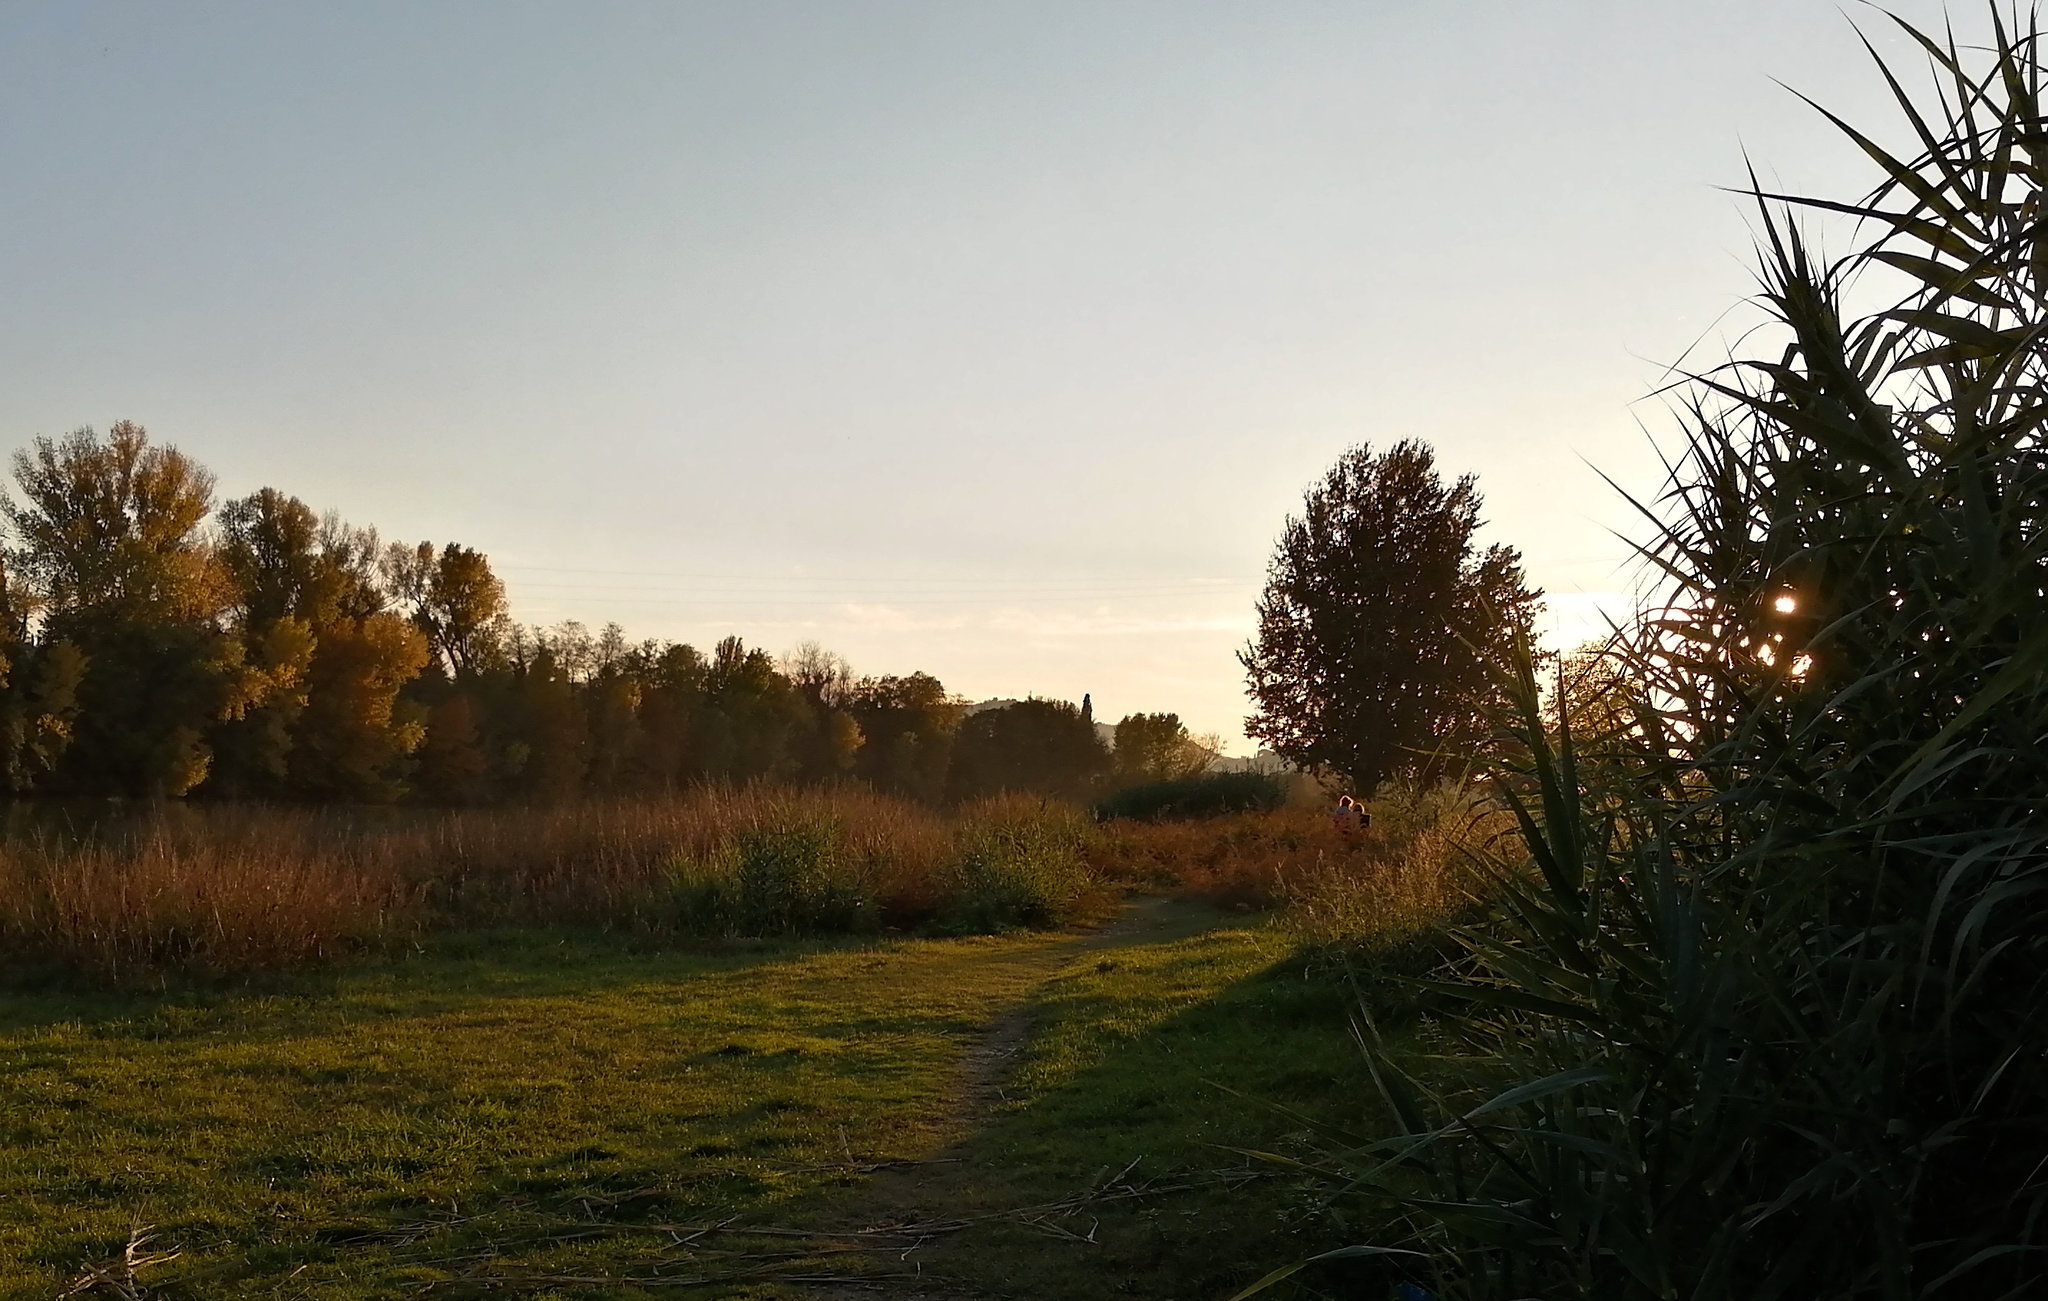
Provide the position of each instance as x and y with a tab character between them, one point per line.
1378	616
1040	746
907	725
454	599
111	545
1157	747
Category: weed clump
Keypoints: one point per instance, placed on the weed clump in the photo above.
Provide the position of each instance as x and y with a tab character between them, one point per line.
788	879
1018	862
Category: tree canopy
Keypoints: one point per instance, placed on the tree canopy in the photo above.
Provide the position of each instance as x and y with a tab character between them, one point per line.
1157	747
1377	619
153	645
1045	747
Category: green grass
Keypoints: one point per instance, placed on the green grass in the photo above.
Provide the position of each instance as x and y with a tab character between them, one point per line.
524	1106
1150	1068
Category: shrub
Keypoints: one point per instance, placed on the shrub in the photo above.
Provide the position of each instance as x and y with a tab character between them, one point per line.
786	879
1018	861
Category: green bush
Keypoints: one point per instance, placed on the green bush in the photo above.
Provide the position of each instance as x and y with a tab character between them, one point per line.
1018	862
1013	862
785	879
1212	795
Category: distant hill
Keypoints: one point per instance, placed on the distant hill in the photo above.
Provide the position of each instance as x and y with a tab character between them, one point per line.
1265	761
980	705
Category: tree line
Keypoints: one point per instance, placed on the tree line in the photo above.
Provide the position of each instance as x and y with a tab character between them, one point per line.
153	645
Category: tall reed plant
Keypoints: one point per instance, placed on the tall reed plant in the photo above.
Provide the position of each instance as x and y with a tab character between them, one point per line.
1759	1012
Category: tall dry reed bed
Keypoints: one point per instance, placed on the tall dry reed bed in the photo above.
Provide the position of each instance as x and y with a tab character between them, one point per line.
132	895
126	907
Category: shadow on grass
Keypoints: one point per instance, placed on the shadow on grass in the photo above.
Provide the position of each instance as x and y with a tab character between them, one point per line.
1102	1160
1107	1158
1114	1162
500	1110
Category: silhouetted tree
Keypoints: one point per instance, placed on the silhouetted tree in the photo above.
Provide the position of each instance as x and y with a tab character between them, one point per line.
1376	620
753	716
1156	747
907	726
615	692
670	707
552	728
452	766
38	694
1041	746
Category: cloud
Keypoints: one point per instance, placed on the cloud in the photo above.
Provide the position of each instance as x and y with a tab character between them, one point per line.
1040	624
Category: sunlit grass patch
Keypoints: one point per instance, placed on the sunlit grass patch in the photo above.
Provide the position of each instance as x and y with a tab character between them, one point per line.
407	1116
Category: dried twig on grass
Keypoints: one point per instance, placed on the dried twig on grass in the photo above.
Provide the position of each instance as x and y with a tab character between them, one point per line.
120	1275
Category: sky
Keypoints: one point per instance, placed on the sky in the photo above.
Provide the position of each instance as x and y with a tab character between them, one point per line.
994	340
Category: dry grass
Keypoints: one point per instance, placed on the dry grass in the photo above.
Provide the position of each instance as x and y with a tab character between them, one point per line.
162	897
611	864
223	890
1405	871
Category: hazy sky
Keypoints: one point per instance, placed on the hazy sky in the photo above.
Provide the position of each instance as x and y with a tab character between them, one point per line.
995	340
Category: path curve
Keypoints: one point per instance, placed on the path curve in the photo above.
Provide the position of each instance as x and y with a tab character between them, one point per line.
899	1199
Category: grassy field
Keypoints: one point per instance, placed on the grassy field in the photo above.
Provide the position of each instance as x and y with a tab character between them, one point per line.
555	1115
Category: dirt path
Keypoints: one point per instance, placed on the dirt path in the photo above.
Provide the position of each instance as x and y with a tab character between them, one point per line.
910	1212
989	1063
